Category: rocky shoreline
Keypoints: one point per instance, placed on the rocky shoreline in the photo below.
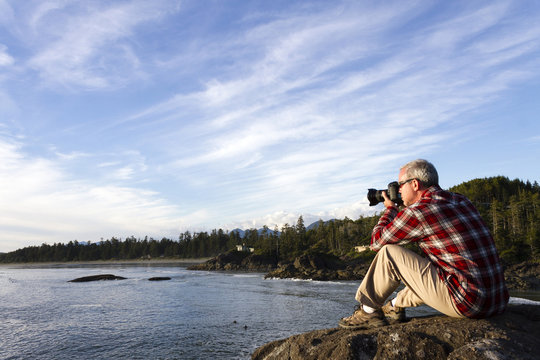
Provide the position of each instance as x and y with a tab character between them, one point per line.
323	267
523	276
513	335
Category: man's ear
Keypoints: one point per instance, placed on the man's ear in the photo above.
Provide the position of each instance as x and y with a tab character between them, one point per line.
416	185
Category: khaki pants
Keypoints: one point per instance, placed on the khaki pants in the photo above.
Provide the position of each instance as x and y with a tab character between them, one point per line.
394	264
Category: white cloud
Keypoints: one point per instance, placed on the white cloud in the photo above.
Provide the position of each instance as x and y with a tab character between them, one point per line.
5	58
281	218
293	124
290	111
450	34
89	44
40	203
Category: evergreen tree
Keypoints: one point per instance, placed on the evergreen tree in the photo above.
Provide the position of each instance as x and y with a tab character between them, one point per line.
510	208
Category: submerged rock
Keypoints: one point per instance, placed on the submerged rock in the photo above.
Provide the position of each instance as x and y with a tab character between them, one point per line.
159	278
513	335
98	278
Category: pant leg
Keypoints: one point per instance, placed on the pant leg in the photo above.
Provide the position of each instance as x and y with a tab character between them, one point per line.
394	264
407	298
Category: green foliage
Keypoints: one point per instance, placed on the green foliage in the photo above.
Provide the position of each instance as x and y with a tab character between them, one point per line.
518	252
188	246
365	257
510	208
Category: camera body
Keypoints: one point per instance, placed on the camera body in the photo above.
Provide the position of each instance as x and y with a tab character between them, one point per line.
375	196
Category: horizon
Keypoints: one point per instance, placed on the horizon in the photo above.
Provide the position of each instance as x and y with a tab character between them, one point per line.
243	230
142	119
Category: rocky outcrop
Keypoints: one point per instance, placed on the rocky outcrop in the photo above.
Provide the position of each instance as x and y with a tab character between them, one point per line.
523	276
98	278
238	261
320	267
513	335
317	266
307	266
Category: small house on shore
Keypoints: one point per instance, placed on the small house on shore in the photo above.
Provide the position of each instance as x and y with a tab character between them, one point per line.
361	248
244	248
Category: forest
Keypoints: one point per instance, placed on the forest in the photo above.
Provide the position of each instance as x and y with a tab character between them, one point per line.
511	209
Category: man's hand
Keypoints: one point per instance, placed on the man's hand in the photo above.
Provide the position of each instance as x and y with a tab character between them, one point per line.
387	202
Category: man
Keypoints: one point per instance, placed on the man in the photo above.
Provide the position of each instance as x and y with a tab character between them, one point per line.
461	275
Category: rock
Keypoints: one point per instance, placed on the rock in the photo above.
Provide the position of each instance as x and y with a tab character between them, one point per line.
317	266
228	261
320	267
159	278
259	263
523	276
97	278
513	335
237	261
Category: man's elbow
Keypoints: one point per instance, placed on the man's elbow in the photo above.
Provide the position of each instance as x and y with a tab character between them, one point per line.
375	246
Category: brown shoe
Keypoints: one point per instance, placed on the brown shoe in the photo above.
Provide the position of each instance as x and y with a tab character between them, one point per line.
394	314
362	320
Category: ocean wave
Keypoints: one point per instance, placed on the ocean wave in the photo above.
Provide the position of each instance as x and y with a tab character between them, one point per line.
247	275
329	282
521	301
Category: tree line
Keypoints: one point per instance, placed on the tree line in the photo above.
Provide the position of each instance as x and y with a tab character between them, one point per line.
511	209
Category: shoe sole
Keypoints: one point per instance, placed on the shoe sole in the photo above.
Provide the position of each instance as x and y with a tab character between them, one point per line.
370	325
397	320
393	317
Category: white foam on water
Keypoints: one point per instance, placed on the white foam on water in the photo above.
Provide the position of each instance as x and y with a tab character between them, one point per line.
521	301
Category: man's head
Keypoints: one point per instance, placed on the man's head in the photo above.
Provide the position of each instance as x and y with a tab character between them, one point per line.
414	178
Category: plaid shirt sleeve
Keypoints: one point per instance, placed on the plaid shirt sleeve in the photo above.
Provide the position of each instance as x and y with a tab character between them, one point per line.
450	231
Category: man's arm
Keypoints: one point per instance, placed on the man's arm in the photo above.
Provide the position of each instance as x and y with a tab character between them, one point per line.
395	227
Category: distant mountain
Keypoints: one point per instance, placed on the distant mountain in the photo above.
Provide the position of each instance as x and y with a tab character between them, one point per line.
315	225
242	233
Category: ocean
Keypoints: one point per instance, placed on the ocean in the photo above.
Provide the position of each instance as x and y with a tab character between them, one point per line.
195	315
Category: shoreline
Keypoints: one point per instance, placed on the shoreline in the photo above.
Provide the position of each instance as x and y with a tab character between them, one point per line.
133	262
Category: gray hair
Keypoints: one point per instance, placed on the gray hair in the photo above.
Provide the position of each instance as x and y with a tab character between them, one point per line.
422	170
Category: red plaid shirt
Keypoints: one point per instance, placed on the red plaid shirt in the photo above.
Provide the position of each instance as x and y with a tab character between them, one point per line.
450	231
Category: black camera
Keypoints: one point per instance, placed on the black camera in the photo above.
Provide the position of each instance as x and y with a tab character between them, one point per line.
375	196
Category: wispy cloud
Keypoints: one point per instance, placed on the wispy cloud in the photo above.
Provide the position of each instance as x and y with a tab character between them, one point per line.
40	203
281	105
5	58
90	45
161	114
246	104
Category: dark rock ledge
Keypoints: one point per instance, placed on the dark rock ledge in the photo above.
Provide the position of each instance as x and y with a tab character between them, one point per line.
513	335
306	266
113	277
523	276
237	261
97	278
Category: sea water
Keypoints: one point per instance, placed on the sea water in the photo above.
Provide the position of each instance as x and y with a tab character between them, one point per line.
195	315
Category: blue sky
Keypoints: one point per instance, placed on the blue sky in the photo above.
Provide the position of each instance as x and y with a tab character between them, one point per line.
122	118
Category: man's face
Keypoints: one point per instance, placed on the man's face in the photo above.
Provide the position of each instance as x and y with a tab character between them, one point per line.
408	193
